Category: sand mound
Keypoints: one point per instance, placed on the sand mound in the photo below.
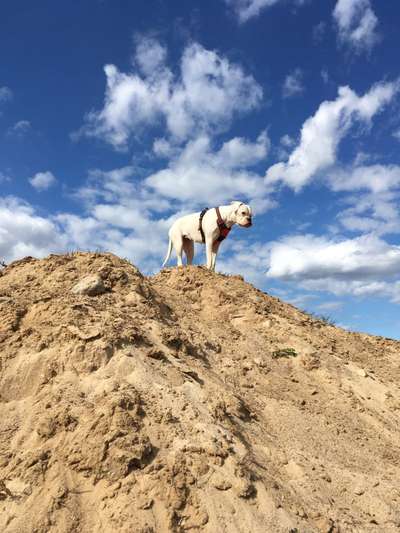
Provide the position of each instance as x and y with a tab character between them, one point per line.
187	401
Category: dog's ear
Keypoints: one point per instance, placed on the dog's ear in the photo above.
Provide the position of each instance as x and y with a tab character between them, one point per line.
237	204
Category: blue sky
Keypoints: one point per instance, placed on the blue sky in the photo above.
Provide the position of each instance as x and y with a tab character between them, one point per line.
116	117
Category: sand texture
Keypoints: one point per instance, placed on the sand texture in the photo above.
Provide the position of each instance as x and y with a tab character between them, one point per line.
187	401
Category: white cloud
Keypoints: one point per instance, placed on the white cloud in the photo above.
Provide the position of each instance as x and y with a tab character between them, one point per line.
322	133
247	9
293	84
311	257
287	141
201	175
359	288
367	212
120	216
375	178
204	98
150	55
124	229
374	206
23	232
42	181
6	94
356	23
362	266
164	149
396	134
20	128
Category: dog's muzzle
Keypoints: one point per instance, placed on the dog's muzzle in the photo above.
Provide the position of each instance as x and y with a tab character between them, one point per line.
248	224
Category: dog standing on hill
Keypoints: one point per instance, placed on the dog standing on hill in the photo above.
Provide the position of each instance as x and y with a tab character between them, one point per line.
211	227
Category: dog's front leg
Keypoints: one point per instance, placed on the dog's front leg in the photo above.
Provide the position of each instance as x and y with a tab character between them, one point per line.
209	252
214	254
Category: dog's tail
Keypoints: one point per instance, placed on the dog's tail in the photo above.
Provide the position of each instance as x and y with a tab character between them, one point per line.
168	253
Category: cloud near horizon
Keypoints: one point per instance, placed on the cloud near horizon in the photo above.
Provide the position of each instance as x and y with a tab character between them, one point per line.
365	265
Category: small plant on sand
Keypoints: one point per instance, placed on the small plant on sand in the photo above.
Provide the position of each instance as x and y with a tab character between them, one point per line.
327	320
284	352
322	320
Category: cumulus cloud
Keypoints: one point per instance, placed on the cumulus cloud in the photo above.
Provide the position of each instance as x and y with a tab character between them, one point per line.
120	216
42	181
374	202
203	98
367	212
150	55
123	228
322	133
375	178
293	84
19	129
380	289
365	265
118	187
130	215
199	174
356	24
312	257
287	141
23	232
247	9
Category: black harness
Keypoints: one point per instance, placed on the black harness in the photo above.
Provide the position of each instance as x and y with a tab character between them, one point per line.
201	223
223	228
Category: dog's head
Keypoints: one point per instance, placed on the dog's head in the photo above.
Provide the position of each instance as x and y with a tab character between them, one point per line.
242	214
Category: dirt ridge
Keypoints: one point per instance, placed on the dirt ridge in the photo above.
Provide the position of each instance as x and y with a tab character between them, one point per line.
188	400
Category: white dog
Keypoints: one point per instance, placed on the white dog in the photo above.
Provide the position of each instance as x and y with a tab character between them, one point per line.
211	226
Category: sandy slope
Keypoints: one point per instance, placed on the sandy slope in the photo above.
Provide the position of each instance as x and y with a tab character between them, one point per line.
155	405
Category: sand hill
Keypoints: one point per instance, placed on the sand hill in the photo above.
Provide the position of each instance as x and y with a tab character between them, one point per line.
187	401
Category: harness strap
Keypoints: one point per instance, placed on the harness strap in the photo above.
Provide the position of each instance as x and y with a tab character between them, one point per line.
200	223
223	228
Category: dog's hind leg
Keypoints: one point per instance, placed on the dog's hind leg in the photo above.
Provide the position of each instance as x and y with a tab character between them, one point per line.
177	241
188	247
178	245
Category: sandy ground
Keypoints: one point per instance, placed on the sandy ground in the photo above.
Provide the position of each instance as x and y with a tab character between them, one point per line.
169	403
